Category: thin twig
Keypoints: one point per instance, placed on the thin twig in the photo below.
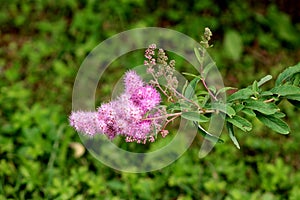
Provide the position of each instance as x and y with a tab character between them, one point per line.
164	116
187	99
269	100
203	78
208	90
168	121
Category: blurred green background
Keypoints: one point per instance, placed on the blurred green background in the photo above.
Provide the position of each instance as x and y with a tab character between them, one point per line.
43	43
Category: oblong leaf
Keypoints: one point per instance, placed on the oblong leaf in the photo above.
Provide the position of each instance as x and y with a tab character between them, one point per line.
185	86
287	73
274	123
190	74
232	136
241	94
224	89
238	107
208	135
240	123
255	87
190	90
293	97
261	106
279	115
266	93
296	79
249	112
224	108
264	80
197	54
284	90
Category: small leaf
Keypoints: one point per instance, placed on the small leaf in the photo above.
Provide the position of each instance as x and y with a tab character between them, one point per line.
194	116
287	73
213	89
264	80
224	89
225	108
260	106
279	115
266	93
208	135
240	122
274	123
284	90
241	94
205	100
238	107
185	86
197	54
190	90
255	87
232	136
190	74
296	81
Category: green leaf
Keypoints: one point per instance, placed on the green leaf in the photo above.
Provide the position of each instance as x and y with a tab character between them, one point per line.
190	90
296	81
208	135
213	89
194	116
241	94
287	73
266	93
279	115
224	89
205	100
232	136
197	54
264	80
238	107
260	106
249	112
233	45
293	97
185	86
240	122
255	87
201	92
174	106
274	123
225	108
190	74
284	90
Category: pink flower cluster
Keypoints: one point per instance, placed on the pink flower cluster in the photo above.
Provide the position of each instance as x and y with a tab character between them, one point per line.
126	115
149	53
